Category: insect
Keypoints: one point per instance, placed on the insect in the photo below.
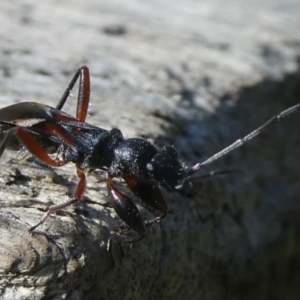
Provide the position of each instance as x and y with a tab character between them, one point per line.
143	167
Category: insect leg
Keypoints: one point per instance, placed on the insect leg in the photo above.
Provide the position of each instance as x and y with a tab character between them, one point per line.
83	93
27	139
149	193
125	208
79	193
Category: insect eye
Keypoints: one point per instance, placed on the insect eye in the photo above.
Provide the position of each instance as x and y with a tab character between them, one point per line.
149	167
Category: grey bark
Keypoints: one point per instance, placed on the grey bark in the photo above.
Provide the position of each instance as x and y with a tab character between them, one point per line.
193	74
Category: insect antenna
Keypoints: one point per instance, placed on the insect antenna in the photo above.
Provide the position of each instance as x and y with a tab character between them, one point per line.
240	142
213	173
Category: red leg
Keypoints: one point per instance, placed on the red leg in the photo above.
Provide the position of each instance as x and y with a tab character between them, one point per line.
79	193
32	145
81	186
83	93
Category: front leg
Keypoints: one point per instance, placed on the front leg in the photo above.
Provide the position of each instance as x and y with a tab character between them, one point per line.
149	192
125	208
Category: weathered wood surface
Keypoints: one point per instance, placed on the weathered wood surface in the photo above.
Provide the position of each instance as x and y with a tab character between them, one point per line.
194	74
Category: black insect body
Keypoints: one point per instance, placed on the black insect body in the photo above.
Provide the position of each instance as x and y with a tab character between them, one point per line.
144	167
